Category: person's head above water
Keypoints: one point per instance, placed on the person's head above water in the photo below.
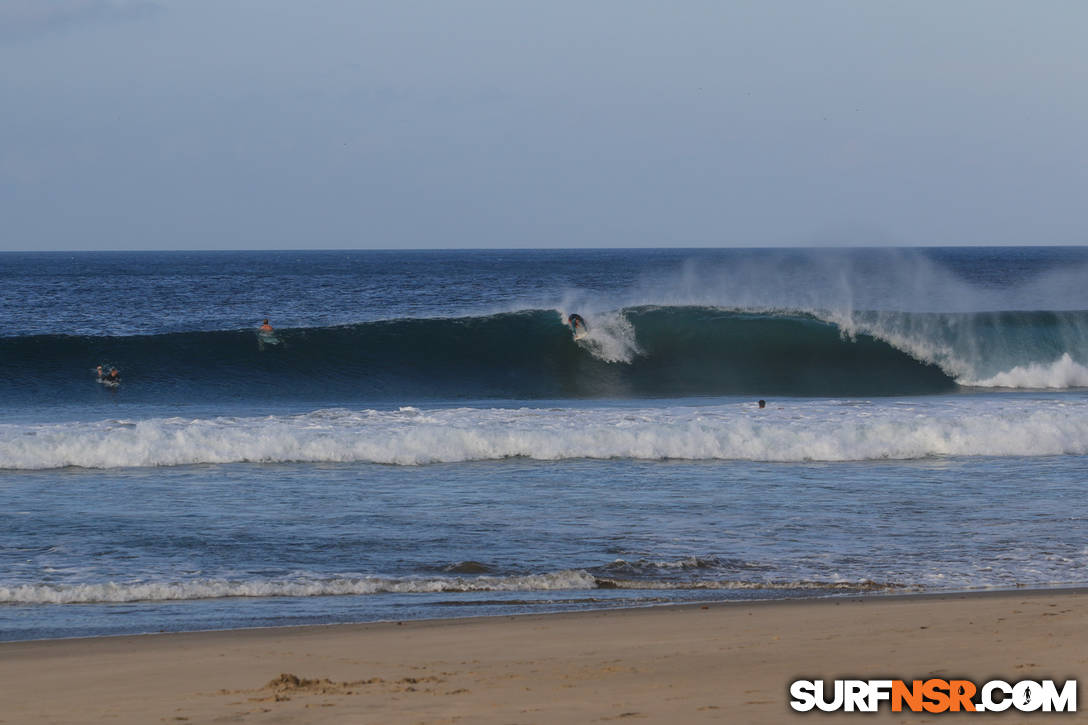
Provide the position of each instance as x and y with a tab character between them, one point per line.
763	404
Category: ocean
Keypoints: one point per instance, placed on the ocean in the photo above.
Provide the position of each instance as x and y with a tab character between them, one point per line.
422	437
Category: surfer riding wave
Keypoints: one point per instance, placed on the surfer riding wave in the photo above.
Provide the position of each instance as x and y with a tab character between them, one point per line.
577	325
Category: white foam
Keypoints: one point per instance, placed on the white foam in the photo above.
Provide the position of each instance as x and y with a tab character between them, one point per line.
1062	373
110	592
690	562
789	431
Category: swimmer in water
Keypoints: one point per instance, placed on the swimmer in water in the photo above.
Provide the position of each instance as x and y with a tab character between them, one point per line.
266	328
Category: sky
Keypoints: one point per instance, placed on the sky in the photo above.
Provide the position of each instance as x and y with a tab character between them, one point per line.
326	124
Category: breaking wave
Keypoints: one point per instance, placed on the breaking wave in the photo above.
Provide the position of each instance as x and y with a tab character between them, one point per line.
632	352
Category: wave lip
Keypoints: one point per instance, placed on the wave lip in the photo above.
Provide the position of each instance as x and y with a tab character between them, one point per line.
792	431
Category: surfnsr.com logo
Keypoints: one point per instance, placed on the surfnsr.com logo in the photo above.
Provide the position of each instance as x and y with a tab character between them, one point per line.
933	696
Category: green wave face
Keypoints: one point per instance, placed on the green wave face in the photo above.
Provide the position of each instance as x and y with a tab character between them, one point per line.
636	352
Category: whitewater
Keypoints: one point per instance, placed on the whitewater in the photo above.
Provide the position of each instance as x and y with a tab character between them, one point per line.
788	430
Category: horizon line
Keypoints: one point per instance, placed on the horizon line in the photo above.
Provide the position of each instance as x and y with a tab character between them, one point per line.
556	249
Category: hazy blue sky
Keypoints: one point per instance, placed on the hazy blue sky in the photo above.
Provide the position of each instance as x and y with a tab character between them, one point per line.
196	124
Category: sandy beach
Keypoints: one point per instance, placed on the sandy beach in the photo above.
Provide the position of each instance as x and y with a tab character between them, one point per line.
720	663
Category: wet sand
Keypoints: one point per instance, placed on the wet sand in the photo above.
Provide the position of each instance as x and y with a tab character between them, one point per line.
679	664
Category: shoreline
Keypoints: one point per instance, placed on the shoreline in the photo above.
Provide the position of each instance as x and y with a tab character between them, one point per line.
719	661
878	595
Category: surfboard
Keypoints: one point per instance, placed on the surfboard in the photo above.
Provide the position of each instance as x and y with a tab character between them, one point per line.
267	338
580	332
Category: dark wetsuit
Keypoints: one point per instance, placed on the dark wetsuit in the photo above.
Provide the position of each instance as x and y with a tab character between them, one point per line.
576	321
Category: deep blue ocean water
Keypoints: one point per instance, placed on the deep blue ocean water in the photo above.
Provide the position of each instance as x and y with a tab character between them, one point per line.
422	437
